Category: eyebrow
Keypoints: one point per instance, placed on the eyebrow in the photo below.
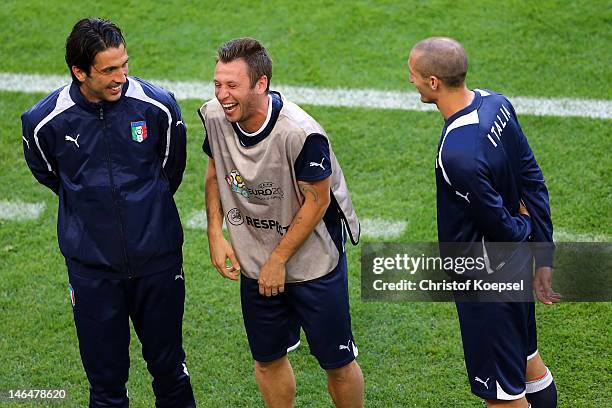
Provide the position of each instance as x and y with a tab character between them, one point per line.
114	66
214	81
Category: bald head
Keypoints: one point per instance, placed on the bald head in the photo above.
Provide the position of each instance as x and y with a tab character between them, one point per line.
441	57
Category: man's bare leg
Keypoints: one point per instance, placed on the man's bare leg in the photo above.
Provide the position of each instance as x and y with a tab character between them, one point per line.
541	389
346	385
535	368
276	382
519	403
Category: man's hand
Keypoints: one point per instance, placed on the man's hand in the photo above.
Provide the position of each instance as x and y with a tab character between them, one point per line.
316	200
272	277
542	285
220	252
220	249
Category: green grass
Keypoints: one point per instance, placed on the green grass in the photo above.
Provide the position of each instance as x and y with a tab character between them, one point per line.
410	352
544	48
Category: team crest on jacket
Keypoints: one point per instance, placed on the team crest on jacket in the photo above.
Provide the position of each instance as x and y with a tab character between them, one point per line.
139	131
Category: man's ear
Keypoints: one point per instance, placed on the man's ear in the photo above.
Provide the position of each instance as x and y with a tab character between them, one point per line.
79	73
434	83
262	84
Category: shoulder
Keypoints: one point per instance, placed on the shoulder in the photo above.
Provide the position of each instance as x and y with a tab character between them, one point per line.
490	95
147	92
313	163
48	107
461	149
461	134
494	101
296	120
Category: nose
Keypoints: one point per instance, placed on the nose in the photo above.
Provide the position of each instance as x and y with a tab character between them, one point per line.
221	92
121	76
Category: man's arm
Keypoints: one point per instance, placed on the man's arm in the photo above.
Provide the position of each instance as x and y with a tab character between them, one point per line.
173	150
497	223
535	197
470	178
316	200
220	249
38	158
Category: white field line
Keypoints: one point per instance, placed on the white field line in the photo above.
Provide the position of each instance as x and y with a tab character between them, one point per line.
372	228
388	229
561	235
197	220
382	229
361	98
20	211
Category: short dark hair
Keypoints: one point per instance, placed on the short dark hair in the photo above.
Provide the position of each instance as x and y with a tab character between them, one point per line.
444	58
254	54
88	37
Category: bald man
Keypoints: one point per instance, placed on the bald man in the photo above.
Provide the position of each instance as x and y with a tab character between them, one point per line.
490	189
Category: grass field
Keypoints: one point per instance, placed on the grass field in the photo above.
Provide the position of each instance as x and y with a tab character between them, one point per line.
410	352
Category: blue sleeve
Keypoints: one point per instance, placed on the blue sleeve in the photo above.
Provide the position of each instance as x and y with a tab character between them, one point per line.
535	197
206	145
174	151
471	178
312	164
38	157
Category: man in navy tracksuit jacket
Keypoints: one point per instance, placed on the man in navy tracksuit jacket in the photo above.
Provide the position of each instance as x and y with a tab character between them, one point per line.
113	148
490	189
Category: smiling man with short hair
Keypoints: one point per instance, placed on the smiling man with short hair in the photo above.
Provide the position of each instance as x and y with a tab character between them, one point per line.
112	147
490	189
273	176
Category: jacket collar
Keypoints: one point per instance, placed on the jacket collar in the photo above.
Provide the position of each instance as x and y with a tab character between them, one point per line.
472	106
79	99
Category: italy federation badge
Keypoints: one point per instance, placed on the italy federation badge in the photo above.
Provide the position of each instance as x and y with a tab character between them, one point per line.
139	131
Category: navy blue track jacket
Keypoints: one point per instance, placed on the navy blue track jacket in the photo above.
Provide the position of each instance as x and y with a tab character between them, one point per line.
115	167
484	167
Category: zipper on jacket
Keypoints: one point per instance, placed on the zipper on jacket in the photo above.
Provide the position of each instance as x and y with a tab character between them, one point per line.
114	193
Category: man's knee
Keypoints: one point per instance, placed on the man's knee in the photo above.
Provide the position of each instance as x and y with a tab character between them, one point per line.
266	367
108	395
167	368
343	374
535	367
169	376
519	403
107	380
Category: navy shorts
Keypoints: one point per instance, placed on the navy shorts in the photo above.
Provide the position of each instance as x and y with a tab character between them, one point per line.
319	306
498	339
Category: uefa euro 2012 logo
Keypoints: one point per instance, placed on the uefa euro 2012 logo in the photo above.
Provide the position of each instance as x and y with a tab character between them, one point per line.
237	184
